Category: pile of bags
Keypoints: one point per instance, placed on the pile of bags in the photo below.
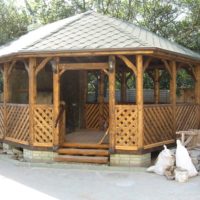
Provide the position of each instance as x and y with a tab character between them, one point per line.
178	166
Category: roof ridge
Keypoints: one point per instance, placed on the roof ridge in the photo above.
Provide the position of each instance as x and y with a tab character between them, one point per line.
78	17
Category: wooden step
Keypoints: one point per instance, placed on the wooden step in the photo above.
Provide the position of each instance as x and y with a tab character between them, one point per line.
81	159
85	152
86	146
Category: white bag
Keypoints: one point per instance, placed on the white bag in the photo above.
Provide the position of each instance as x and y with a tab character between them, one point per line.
183	160
165	159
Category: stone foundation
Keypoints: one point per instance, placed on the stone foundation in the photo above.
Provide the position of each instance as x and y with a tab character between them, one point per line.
129	160
38	156
7	148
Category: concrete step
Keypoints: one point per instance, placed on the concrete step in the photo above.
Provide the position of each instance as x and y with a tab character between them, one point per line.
82	159
84	152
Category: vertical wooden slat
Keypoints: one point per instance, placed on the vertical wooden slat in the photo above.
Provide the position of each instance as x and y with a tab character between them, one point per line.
197	84
56	104
156	86
32	96
112	103
123	87
139	100
173	93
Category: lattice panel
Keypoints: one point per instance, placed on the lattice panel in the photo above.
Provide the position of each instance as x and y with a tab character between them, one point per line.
187	117
17	123
92	116
158	124
106	113
43	125
2	126
126	125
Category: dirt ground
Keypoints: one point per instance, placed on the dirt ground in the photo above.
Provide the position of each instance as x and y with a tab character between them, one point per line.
83	182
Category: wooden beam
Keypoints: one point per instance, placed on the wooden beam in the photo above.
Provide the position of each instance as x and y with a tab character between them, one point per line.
32	96
156	86
11	66
83	66
56	101
42	64
167	66
128	63
112	67
197	84
146	64
173	93
139	100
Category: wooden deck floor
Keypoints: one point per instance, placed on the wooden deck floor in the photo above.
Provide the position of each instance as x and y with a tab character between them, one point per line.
86	136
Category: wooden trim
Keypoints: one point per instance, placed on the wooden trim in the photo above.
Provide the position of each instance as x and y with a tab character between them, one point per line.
11	66
156	86
128	63
197	84
159	144
123	87
139	100
81	66
112	102
101	99
126	148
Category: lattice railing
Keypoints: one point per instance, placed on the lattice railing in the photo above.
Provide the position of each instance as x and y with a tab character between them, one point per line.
2	121
43	125
187	117
92	115
158	124
17	120
126	127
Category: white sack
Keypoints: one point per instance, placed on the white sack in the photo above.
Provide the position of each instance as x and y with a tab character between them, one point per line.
165	160
183	160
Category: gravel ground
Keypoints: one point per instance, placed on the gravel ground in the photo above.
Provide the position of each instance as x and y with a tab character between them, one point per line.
26	181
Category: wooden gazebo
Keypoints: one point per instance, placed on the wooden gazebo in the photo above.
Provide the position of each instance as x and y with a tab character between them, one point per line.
45	78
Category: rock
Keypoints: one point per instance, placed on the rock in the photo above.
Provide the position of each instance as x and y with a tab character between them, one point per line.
181	175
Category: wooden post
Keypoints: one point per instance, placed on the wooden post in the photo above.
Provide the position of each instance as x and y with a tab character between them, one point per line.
173	93
197	84
6	94
123	87
112	63
156	86
139	100
56	102
32	96
101	100
83	97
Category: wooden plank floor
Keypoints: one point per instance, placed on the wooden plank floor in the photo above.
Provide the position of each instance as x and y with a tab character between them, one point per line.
85	136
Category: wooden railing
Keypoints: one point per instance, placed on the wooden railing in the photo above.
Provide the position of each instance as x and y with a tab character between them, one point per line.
187	117
93	117
17	123
126	137
2	121
43	125
158	125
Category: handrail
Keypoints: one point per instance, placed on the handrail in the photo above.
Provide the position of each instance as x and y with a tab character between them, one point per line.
61	111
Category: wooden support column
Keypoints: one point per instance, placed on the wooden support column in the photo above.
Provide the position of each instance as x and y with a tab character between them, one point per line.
139	100
156	86
56	102
123	87
112	63
197	84
101	100
6	94
83	97
32	96
173	92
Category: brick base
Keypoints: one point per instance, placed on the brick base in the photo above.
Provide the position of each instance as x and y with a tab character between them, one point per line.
7	148
38	156
130	160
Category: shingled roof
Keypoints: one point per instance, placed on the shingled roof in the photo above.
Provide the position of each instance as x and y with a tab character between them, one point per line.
91	31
